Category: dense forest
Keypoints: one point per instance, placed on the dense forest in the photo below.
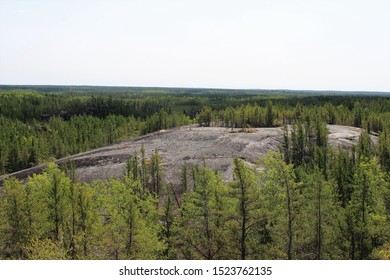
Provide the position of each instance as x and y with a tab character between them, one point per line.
307	201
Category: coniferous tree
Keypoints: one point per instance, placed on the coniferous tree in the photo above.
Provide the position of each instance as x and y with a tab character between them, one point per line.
183	177
286	145
384	150
270	114
14	223
156	173
366	211
169	217
203	221
132	167
58	194
130	229
248	215
144	174
281	193
319	211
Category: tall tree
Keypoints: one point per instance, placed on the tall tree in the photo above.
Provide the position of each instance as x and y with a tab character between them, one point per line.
248	212
270	114
144	174
203	220
14	224
131	227
156	173
282	198
58	202
318	217
366	211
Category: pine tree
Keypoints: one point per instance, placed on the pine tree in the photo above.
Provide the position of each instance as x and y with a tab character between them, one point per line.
156	173
318	217
58	203
247	215
144	170
203	221
270	114
366	209
286	145
13	223
183	177
132	167
169	219
130	228
281	192
384	150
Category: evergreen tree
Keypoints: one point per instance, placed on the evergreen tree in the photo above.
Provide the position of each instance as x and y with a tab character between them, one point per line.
383	150
203	221
286	145
144	174
13	223
156	173
132	167
58	194
270	114
183	177
281	193
130	229
318	217
169	218
365	213
248	215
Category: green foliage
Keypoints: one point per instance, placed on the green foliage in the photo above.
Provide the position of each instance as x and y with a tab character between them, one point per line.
384	150
277	212
248	218
311	202
130	227
36	127
156	173
365	213
282	200
44	250
204	117
169	231
203	224
84	221
270	114
184	177
14	224
319	211
53	218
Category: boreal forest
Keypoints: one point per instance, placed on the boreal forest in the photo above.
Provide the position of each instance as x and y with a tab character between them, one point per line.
307	200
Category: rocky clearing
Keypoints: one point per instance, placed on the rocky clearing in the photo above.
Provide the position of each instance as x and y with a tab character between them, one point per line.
214	146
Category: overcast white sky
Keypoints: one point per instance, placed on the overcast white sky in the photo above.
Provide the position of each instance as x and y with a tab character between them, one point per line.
263	44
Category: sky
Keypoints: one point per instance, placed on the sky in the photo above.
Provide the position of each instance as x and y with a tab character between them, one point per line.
248	44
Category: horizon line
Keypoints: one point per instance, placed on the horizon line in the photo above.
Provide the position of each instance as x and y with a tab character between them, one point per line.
192	87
